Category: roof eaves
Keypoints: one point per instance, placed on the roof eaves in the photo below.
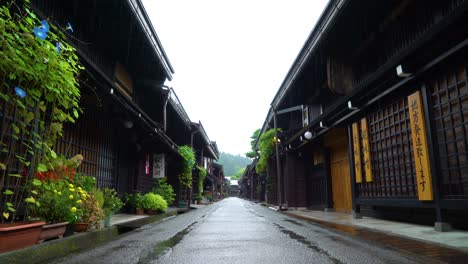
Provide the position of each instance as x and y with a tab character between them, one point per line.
146	25
323	24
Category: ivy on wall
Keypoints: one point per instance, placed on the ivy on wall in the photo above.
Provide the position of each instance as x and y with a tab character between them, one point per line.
185	177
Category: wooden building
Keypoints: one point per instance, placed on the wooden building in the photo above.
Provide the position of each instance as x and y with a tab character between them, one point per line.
132	123
374	113
215	182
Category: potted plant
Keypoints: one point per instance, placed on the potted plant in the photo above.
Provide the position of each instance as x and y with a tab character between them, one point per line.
154	203
88	215
56	196
112	204
165	190
198	198
139	207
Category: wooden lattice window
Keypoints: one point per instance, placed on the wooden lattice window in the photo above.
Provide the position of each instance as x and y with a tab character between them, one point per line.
449	97
391	153
92	137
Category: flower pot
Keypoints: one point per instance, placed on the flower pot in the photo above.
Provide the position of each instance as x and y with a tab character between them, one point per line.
19	235
81	227
140	211
150	212
52	231
107	220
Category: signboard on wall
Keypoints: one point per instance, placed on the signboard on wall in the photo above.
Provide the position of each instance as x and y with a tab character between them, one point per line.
357	153
366	150
420	147
159	162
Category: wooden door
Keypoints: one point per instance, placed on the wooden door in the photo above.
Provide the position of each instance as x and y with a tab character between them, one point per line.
339	170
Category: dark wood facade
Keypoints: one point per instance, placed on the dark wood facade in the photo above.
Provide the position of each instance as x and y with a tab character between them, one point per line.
119	131
347	74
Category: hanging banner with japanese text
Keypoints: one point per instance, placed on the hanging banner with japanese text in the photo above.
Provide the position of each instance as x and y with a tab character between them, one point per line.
366	150
158	166
420	147
357	153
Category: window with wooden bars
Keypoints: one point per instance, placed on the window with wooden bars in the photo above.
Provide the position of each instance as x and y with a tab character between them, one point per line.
92	137
391	153
449	98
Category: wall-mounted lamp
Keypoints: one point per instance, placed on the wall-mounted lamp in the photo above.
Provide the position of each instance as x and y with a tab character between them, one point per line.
322	125
308	135
403	73
351	106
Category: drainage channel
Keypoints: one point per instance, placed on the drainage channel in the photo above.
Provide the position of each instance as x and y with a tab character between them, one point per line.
135	224
306	242
164	246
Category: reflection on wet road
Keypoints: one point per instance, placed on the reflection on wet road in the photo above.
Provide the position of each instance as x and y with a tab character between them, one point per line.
237	231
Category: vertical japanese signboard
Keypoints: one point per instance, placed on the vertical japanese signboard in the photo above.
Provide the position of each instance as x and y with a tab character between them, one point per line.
420	147
366	150
357	153
158	166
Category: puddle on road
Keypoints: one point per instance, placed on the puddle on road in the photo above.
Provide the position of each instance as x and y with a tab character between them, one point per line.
292	221
163	246
306	242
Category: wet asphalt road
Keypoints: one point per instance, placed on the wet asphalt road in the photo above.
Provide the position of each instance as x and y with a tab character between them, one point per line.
236	231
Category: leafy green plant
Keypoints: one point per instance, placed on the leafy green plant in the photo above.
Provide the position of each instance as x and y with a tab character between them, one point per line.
155	202
112	202
88	183
90	212
201	178
266	149
253	139
165	190
185	177
50	201
99	196
39	89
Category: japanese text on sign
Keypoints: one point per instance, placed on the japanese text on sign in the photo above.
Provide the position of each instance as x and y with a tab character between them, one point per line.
420	149
366	150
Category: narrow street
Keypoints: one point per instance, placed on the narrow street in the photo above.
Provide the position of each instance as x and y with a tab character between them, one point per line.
236	231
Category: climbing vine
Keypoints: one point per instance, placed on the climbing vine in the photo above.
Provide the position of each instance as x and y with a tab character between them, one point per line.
39	92
201	178
185	177
266	149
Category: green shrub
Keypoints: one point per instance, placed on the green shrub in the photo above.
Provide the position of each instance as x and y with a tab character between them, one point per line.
165	190
155	202
112	202
99	195
134	200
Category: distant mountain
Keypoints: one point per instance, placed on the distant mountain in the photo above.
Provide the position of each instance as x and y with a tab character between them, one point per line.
232	163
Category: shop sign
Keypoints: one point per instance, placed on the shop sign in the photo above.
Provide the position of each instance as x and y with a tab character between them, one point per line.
366	150
420	147
357	153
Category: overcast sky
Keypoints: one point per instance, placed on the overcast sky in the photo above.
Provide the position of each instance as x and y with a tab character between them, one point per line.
230	57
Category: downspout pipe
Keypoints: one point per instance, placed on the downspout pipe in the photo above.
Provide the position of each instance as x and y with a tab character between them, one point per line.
278	163
191	145
170	90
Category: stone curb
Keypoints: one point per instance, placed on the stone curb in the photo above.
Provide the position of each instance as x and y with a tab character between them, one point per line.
59	248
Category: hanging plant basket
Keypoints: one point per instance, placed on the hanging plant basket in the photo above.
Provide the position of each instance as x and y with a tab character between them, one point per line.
19	235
